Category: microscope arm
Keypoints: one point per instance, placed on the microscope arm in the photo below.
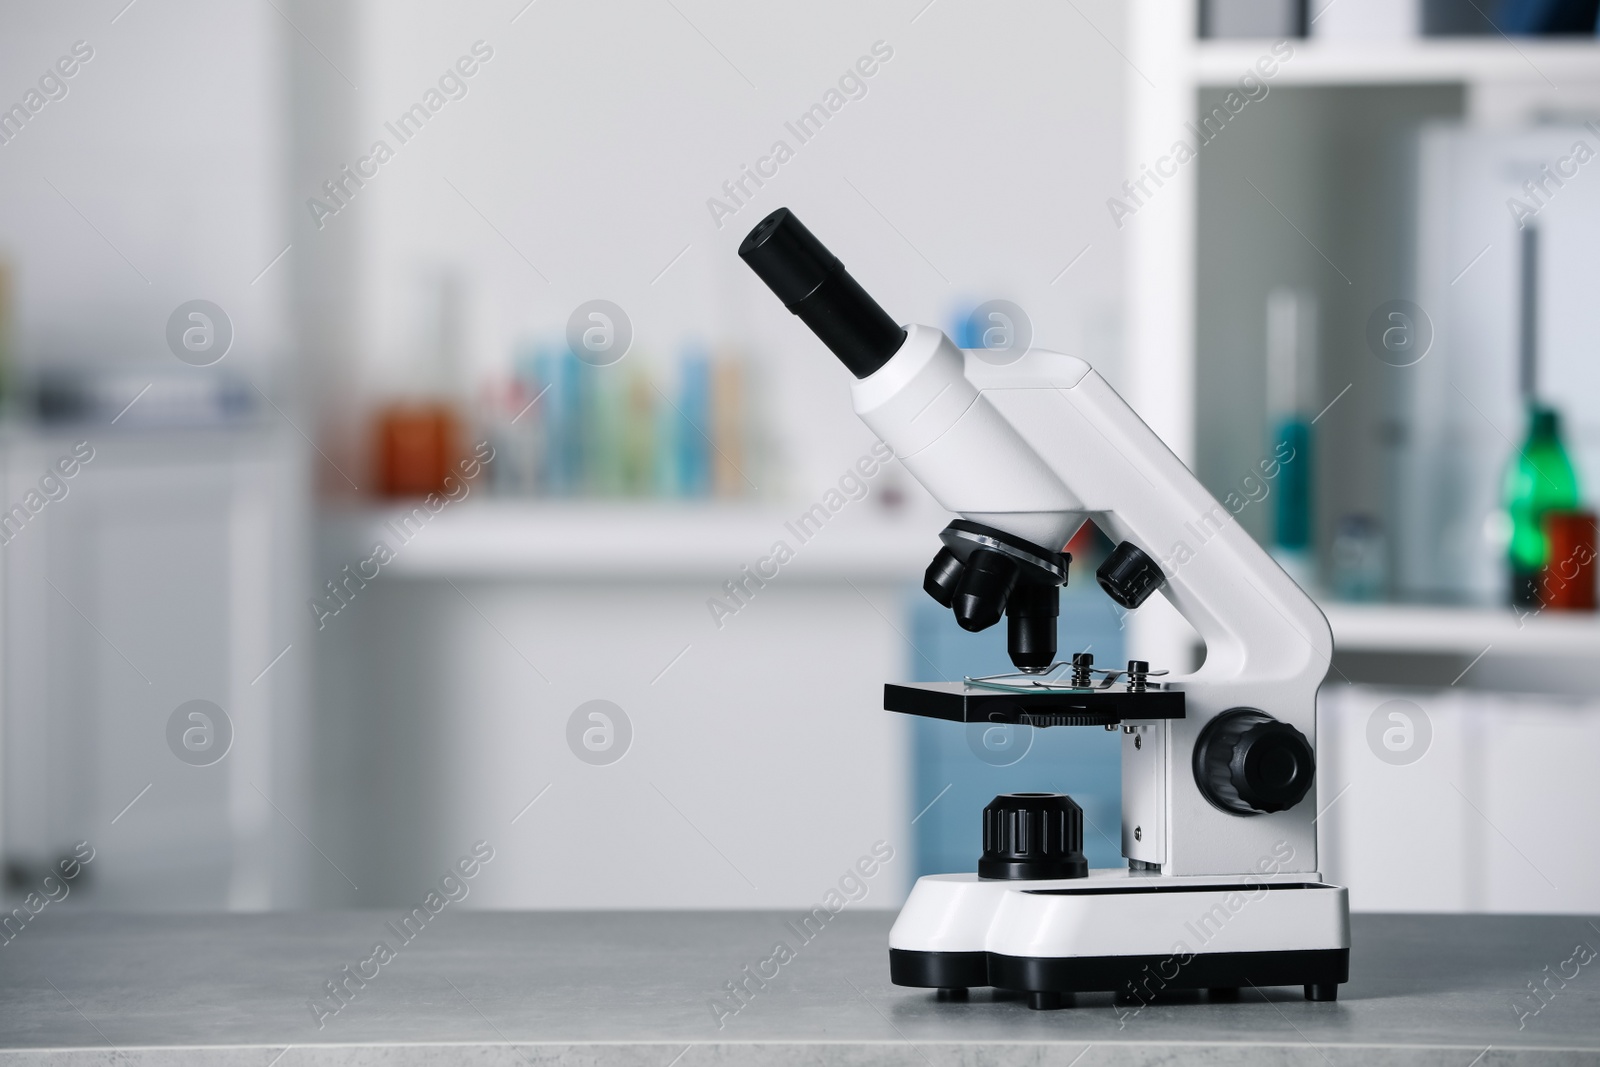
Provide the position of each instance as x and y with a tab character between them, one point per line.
1037	446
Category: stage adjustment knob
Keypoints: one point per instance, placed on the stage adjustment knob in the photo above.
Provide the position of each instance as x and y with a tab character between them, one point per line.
1032	835
1248	763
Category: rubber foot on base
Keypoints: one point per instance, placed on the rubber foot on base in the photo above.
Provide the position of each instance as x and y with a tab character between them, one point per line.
1322	991
1223	993
1046	1001
957	993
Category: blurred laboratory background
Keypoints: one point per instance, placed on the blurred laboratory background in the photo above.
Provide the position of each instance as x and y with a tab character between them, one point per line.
397	455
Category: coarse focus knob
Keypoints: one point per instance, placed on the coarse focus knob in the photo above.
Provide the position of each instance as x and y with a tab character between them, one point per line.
1248	763
1129	576
1032	835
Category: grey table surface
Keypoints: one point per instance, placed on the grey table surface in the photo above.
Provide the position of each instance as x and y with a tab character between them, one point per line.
506	988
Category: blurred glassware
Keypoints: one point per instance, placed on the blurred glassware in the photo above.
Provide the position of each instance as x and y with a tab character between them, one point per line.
567	428
1538	480
1360	570
1568	579
694	411
418	443
1291	373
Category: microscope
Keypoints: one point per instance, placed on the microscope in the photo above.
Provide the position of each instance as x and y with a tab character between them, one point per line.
1221	889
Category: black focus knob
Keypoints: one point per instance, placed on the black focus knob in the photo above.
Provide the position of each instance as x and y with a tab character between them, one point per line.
1248	763
1032	835
1129	576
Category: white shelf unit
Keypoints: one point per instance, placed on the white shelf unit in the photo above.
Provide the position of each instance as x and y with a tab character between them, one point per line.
1173	309
1454	830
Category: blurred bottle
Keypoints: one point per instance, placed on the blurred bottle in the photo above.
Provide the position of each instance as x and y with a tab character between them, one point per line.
1539	480
1291	395
637	427
599	427
511	419
693	425
559	452
419	436
1359	572
727	425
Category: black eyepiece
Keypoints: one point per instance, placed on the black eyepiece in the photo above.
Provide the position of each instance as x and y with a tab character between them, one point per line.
814	285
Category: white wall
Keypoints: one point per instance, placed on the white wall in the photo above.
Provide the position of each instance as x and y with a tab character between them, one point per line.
167	161
594	137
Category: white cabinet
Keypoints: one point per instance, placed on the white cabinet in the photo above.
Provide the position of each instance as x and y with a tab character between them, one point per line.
760	766
158	578
1496	814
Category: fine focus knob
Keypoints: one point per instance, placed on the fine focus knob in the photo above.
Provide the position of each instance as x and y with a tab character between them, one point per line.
1032	835
1248	763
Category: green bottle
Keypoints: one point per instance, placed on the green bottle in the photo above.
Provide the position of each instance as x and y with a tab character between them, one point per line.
1539	479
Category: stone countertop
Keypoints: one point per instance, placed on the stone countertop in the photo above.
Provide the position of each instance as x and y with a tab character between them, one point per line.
505	988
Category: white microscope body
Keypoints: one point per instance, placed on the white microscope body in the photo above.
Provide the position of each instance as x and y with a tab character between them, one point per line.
1222	889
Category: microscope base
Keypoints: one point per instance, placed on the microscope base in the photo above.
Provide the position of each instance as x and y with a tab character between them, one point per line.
1137	936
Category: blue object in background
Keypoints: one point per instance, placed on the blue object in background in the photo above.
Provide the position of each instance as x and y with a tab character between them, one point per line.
958	769
694	426
1545	17
1292	526
556	374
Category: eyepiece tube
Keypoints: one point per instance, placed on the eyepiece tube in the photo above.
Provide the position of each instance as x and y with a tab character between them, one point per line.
814	285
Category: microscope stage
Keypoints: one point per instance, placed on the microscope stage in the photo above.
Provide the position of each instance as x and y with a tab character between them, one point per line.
962	702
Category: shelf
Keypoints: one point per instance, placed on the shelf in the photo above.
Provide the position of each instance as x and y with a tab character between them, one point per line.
637	541
671	541
1221	63
1402	629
